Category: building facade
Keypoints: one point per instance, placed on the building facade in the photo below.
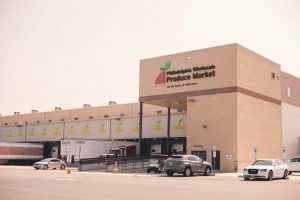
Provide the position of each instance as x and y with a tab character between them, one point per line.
226	98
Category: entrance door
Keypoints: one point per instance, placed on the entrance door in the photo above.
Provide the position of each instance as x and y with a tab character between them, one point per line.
201	154
216	159
54	151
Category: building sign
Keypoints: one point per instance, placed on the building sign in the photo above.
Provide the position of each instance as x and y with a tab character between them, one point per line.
175	78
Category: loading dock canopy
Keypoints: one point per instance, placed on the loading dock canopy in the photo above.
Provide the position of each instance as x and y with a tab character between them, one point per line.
179	104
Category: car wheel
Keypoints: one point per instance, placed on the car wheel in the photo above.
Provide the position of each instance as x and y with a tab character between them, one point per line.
246	179
270	176
170	173
285	175
187	172
290	173
207	171
37	168
45	167
62	167
148	171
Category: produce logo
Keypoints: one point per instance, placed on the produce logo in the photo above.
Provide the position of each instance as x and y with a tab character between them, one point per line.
157	126
21	133
9	134
102	129
119	128
136	128
57	131
179	125
44	132
71	131
31	133
86	130
185	76
161	78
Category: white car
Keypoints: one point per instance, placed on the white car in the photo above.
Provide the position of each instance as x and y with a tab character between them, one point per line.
53	163
266	169
294	164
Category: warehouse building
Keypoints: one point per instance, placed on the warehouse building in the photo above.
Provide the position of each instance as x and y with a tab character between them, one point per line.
225	98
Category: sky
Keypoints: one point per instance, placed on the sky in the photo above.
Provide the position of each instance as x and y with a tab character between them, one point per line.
68	53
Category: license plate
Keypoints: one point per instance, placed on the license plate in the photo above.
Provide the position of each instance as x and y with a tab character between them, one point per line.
252	175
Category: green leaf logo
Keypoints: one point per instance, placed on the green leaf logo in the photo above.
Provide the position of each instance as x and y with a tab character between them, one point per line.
166	67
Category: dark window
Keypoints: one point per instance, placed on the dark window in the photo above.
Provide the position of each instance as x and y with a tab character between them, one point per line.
37	122
49	120
76	118
122	115
105	116
62	119
273	75
91	117
159	112
5	124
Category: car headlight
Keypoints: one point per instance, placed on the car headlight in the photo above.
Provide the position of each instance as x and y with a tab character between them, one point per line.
263	170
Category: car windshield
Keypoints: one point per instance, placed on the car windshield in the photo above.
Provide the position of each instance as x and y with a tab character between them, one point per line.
46	160
263	162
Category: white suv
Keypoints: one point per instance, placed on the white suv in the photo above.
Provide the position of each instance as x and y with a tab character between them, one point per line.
294	164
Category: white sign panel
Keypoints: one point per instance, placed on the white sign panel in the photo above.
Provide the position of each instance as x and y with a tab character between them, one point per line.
12	134
125	128
45	132
94	129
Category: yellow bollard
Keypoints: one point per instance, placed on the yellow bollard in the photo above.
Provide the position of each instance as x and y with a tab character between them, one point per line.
68	170
116	168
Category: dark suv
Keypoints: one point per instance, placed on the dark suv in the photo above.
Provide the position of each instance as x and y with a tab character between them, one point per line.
186	165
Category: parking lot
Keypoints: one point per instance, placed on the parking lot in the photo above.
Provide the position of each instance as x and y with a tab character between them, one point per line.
23	182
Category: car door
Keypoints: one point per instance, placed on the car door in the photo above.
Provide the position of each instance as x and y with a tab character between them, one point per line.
276	169
201	166
193	162
292	164
297	165
281	168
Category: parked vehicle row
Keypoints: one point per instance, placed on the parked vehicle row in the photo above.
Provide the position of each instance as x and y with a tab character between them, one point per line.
189	165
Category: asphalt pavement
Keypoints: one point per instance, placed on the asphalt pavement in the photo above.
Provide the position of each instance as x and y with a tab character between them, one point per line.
17	182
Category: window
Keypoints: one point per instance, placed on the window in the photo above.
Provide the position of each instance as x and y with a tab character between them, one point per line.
122	115
289	92
76	118
159	112
5	124
62	119
49	120
273	75
37	122
91	117
105	116
191	158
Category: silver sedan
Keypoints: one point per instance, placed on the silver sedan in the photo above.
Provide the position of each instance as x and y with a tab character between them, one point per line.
52	163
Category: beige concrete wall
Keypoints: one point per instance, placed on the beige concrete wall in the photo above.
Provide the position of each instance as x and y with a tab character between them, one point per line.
219	113
291	129
259	125
57	116
84	113
288	80
254	73
113	111
223	57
